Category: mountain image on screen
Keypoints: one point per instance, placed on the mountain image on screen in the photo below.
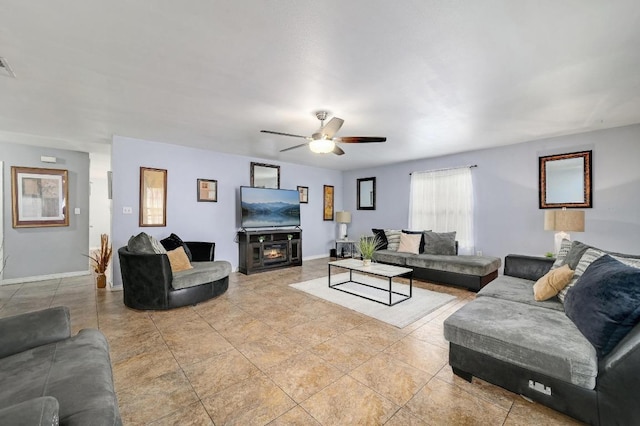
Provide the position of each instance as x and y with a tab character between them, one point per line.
263	207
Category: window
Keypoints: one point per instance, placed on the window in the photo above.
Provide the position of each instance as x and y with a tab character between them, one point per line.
442	200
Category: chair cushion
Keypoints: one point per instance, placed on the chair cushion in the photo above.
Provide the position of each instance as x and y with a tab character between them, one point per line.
202	273
172	242
538	339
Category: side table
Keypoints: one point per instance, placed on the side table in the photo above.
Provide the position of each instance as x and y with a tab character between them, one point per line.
348	248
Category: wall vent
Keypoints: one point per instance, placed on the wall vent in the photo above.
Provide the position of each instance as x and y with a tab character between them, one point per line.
5	69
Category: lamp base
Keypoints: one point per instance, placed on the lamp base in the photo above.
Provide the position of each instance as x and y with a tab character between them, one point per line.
342	231
558	239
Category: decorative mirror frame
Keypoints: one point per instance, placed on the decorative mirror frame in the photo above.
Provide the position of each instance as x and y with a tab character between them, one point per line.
360	190
275	184
149	180
542	184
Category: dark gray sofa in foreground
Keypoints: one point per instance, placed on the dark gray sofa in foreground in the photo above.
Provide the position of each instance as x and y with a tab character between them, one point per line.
534	349
47	375
472	272
149	283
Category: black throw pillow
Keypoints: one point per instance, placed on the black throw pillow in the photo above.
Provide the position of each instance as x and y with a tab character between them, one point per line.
605	303
382	237
172	242
421	248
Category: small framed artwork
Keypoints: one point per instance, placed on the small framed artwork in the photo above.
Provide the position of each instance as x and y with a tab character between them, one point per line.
208	190
153	197
327	205
304	194
39	197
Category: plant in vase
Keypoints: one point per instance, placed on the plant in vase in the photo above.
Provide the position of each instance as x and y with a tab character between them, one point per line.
367	246
100	260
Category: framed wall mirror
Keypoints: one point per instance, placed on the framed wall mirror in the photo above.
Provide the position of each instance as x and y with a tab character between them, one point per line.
565	180
367	193
153	197
265	175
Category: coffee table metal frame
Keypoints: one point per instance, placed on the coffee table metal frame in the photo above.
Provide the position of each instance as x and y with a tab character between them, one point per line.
377	269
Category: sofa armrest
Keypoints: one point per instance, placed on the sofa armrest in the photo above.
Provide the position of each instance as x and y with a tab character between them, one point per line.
26	331
527	267
201	251
33	412
617	384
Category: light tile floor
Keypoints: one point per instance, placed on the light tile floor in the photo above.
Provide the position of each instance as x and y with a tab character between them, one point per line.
264	353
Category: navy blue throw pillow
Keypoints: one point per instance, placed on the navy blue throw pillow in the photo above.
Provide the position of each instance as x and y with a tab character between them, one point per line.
605	303
172	242
382	237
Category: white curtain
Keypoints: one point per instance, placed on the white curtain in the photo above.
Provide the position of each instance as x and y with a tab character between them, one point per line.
442	201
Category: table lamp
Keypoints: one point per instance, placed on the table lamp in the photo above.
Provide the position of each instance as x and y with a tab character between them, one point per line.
563	221
343	218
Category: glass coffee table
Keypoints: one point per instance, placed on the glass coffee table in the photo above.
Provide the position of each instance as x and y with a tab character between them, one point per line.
375	269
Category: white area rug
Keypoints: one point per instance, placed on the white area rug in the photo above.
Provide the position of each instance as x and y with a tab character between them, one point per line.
404	313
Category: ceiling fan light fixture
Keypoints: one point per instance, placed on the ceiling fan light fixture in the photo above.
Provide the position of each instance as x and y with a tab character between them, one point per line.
322	146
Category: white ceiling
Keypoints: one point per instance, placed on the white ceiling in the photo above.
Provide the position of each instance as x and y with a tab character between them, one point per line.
434	77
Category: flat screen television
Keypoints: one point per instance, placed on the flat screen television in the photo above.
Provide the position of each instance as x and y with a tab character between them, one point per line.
266	207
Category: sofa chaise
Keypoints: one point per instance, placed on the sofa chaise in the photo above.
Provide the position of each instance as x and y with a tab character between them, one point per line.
48	376
540	349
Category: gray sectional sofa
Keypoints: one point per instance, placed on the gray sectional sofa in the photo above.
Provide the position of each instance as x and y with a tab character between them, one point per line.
535	349
48	376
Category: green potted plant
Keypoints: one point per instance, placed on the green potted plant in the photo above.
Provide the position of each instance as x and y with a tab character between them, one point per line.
100	260
367	246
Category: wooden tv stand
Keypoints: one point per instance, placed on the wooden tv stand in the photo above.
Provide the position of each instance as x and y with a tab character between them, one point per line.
267	250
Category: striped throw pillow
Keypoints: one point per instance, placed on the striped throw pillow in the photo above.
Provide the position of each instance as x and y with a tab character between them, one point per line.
393	238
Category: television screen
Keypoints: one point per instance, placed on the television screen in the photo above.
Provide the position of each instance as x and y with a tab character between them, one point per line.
265	207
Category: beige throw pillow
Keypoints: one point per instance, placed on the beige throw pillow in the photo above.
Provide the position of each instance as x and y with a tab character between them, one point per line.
409	243
178	260
551	284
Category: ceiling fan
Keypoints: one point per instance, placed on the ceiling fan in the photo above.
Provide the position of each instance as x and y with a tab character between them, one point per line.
323	141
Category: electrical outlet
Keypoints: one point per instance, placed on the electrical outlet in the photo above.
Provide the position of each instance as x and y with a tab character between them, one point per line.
127	210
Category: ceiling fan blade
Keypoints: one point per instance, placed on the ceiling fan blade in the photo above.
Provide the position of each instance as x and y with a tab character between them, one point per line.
283	134
332	127
294	147
360	139
337	150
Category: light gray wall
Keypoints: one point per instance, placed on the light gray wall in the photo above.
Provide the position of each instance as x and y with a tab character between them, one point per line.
217	222
507	216
34	252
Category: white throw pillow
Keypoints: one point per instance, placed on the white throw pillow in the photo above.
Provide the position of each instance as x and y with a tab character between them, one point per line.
409	243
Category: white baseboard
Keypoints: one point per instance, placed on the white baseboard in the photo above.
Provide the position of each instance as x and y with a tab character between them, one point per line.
44	277
317	256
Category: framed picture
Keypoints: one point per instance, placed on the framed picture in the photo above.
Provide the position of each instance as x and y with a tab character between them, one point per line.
153	197
208	190
304	194
40	197
327	205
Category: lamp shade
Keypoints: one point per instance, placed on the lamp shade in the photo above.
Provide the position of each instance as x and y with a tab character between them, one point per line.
564	220
343	217
569	220
549	220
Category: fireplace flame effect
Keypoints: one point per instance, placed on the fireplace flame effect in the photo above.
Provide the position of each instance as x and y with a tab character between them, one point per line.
273	254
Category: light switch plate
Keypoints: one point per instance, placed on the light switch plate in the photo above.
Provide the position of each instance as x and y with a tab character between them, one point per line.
76	210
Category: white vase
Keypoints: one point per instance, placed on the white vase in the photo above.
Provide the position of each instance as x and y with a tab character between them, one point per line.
366	262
